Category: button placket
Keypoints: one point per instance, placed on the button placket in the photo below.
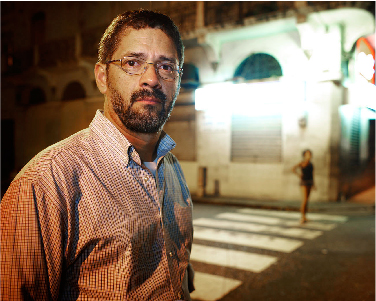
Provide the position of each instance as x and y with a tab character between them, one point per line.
147	180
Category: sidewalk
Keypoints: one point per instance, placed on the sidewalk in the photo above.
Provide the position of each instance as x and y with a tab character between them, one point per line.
363	204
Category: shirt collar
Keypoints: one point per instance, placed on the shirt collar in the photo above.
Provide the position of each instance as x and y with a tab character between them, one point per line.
166	144
118	143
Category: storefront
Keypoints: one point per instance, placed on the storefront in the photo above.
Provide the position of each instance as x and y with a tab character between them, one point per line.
358	120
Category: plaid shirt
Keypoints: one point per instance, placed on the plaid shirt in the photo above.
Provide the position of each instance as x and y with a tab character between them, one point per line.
86	220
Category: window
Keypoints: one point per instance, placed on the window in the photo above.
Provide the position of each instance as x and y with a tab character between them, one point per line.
354	154
7	55
38	28
258	66
258	138
190	78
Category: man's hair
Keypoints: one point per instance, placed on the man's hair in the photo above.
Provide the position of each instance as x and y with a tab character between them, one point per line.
138	19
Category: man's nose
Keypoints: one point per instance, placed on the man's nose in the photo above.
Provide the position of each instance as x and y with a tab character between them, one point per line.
150	77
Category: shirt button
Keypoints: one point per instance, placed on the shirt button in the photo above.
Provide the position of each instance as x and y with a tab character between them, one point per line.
170	254
146	179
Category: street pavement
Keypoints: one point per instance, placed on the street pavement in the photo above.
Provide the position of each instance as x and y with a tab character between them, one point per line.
260	251
350	206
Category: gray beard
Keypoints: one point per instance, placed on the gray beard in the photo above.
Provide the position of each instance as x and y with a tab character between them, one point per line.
150	119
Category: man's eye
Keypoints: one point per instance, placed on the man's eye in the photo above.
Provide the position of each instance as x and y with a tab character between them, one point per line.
166	67
131	63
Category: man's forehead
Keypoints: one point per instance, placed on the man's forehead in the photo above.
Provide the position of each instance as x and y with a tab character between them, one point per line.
138	40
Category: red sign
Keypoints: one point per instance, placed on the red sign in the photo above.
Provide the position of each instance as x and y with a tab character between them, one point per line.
365	58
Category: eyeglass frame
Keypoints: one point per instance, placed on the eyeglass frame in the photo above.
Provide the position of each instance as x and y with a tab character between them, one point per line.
179	70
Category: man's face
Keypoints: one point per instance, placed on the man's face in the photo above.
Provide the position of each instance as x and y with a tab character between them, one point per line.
144	102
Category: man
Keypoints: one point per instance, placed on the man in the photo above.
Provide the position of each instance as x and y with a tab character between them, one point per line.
106	213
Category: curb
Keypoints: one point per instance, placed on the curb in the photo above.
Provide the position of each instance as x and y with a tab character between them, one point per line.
333	207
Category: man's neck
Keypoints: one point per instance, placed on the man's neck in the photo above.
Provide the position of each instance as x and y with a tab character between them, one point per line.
145	144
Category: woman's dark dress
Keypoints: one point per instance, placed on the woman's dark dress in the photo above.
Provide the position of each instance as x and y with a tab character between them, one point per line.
307	175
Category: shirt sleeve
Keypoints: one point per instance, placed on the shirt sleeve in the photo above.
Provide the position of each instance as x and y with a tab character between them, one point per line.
191	275
31	256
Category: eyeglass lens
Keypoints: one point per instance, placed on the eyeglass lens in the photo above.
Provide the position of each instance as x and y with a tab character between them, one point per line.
166	70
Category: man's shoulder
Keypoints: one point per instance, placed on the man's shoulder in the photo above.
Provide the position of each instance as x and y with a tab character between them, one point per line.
172	158
64	152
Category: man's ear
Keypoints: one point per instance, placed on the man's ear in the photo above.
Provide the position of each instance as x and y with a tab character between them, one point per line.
101	77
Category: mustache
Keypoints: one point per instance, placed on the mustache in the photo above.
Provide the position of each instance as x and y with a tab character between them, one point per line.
147	93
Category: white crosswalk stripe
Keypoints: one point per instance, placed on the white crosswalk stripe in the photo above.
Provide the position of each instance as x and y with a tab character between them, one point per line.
274	221
276	231
252	227
267	242
295	215
212	287
250	218
231	258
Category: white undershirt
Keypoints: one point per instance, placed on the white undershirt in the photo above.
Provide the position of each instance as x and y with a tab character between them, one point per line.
152	166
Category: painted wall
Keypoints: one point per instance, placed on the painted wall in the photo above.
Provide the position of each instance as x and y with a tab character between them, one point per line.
270	181
43	125
323	96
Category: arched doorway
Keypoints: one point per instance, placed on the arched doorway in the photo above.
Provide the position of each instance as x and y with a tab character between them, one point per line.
37	96
72	91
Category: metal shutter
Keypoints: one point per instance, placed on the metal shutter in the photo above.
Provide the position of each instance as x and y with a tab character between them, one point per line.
256	139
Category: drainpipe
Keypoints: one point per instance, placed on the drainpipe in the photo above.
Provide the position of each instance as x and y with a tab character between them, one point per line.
342	170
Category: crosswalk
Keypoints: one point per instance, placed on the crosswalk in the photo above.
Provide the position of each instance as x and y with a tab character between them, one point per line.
276	231
231	258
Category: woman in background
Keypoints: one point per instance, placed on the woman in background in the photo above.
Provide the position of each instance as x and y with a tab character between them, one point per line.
304	170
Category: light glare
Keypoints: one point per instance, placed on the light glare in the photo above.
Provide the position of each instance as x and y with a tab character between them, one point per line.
250	99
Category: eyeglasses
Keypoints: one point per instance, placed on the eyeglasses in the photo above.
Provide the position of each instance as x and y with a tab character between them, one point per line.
135	66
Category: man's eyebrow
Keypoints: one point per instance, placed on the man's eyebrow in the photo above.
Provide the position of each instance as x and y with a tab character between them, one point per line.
169	59
135	54
143	56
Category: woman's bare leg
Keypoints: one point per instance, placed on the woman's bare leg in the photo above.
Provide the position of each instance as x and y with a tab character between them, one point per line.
306	190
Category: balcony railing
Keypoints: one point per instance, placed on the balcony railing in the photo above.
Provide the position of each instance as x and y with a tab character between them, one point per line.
184	14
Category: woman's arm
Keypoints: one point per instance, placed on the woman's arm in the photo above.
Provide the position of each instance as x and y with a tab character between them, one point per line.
295	170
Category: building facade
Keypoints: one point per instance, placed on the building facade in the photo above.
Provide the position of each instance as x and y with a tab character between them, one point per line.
262	82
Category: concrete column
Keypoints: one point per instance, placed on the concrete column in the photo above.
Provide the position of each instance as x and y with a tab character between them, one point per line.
35	55
200	14
78	48
300	4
